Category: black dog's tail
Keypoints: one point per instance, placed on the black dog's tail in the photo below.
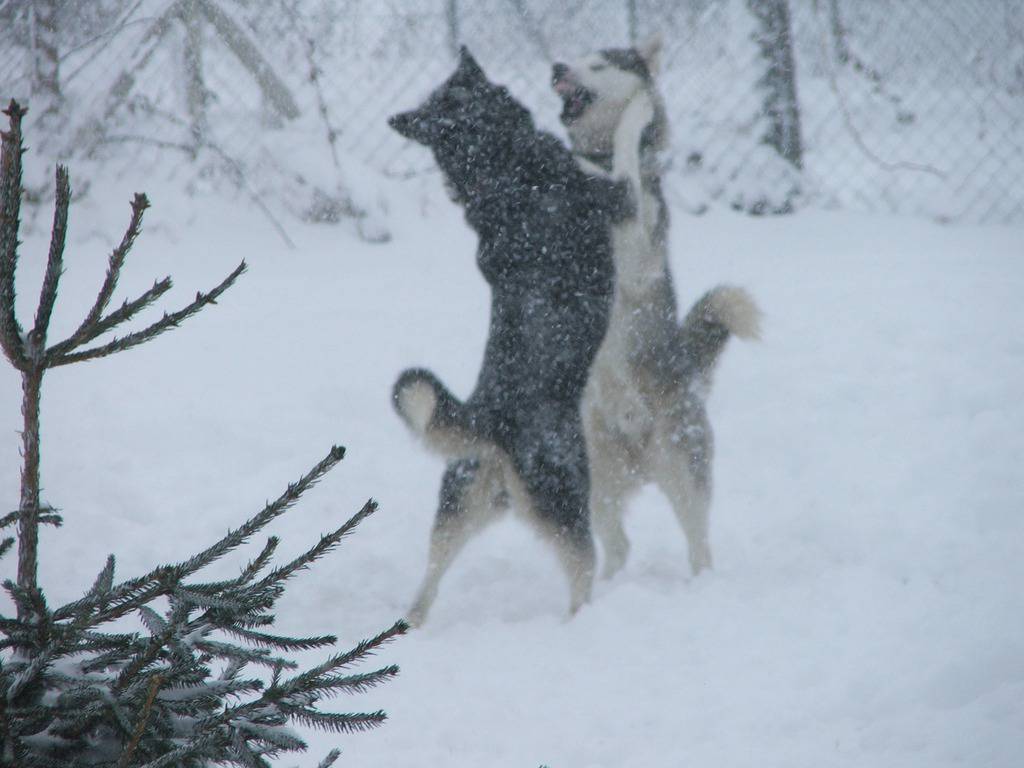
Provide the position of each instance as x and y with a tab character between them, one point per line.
723	311
434	414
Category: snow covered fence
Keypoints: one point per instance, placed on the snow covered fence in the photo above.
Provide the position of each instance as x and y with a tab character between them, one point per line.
897	106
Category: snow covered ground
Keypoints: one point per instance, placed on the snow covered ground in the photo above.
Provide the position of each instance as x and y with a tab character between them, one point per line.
866	605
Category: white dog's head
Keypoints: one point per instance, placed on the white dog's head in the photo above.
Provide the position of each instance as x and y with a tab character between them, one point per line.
596	89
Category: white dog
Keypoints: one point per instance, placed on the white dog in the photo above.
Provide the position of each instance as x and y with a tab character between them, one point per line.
643	408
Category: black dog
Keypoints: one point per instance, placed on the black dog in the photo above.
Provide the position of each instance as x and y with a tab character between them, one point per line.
545	249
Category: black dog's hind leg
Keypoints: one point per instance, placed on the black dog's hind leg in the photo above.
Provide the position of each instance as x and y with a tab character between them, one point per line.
471	496
575	548
557	481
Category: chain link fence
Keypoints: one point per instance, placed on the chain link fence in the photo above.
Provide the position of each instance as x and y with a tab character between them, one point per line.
909	107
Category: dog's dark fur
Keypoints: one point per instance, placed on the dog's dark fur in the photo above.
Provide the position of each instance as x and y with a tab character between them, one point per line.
545	250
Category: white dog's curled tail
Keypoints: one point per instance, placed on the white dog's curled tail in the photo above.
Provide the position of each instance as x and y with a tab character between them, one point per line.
736	309
724	311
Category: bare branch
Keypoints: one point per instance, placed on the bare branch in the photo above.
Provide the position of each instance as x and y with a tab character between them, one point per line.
172	320
898	165
248	54
10	210
137	61
54	263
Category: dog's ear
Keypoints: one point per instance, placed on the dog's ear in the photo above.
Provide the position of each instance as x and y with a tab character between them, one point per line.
468	65
409	125
650	52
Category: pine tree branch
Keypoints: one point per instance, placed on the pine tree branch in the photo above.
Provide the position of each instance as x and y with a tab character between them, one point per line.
275	735
325	545
270	512
168	322
161	581
143	660
31	598
139	205
280	642
105	578
54	263
365	648
259	563
295	696
152	620
10	210
150	650
258	656
250	571
28	674
355	683
225	601
126	311
178	756
47	515
339	723
95	596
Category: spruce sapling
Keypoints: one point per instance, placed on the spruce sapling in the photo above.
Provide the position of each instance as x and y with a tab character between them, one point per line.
76	687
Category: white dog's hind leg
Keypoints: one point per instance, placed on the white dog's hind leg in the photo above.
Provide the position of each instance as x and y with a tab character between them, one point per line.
691	503
607	512
607	498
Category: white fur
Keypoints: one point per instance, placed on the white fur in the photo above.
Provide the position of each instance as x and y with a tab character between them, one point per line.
736	310
651	52
635	117
417	402
615	88
638	259
634	434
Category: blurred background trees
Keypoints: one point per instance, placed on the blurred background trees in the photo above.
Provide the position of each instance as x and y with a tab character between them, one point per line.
895	106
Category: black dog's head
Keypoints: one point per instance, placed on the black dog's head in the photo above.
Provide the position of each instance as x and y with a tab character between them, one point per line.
469	123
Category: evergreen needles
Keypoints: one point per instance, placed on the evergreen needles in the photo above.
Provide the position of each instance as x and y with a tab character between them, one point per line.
196	678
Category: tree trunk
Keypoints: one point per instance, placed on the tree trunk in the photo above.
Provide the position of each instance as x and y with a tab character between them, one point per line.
195	88
248	54
780	106
451	15
45	55
28	521
835	21
633	21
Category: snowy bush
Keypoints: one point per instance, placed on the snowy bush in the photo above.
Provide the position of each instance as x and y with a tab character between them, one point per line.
201	680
